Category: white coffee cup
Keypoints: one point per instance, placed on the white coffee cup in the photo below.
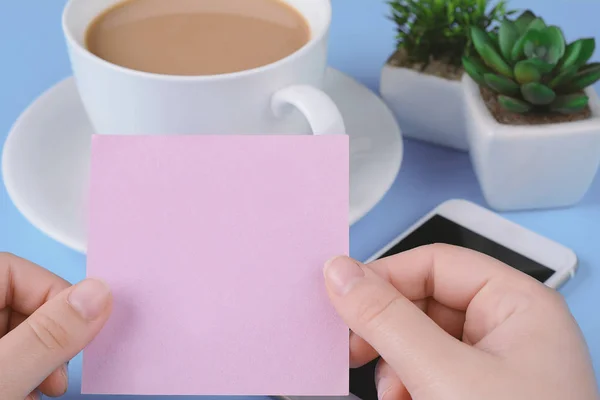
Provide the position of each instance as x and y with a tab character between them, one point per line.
284	97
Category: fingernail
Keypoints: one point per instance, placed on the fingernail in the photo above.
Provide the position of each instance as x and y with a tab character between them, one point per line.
34	396
382	382
65	372
342	273
383	387
90	298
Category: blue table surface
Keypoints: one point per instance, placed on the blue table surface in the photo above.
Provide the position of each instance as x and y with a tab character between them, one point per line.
33	58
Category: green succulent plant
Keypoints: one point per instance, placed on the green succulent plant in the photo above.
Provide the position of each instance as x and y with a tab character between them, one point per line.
531	68
439	29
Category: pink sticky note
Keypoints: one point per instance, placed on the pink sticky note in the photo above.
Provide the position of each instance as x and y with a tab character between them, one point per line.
214	248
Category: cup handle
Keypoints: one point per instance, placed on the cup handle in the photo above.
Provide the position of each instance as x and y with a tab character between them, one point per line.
321	112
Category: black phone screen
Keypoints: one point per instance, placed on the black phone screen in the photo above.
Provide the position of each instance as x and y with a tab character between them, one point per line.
441	230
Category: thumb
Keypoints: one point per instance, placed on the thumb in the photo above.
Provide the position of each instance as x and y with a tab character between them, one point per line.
416	348
51	336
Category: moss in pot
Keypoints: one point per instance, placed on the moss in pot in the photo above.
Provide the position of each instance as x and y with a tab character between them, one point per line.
421	81
533	120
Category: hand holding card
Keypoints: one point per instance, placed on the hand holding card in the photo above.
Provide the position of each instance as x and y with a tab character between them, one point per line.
214	248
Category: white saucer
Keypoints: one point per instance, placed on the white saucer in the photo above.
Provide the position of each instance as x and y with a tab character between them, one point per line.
46	156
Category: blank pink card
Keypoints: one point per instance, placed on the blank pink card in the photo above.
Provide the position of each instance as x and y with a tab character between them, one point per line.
214	248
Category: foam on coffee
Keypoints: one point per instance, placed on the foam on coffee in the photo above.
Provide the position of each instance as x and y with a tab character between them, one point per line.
197	37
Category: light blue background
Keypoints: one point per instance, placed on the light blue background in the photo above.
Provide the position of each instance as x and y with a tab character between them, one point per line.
33	58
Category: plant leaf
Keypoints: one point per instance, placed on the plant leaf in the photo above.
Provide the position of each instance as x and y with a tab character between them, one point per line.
514	105
571	56
480	38
495	61
533	41
537	24
563	77
537	94
501	84
518	51
475	69
542	65
526	71
588	46
481	5
590	66
584	79
557	45
570	104
507	37
524	20
440	29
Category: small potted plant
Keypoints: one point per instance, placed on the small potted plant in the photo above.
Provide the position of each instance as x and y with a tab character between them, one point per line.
533	121
421	81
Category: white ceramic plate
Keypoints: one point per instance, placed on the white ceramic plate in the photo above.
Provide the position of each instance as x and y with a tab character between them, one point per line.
46	156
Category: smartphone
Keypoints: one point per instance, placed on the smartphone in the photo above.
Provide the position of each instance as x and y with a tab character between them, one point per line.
465	224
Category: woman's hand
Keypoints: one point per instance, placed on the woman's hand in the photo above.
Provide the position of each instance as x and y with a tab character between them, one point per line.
450	323
44	322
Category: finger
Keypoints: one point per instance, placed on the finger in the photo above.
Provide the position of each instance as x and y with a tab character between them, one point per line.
5	318
400	332
25	286
361	352
451	275
56	384
487	290
16	319
450	320
51	336
389	386
34	396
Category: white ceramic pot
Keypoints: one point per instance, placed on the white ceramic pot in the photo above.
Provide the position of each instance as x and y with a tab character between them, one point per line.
427	107
531	167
